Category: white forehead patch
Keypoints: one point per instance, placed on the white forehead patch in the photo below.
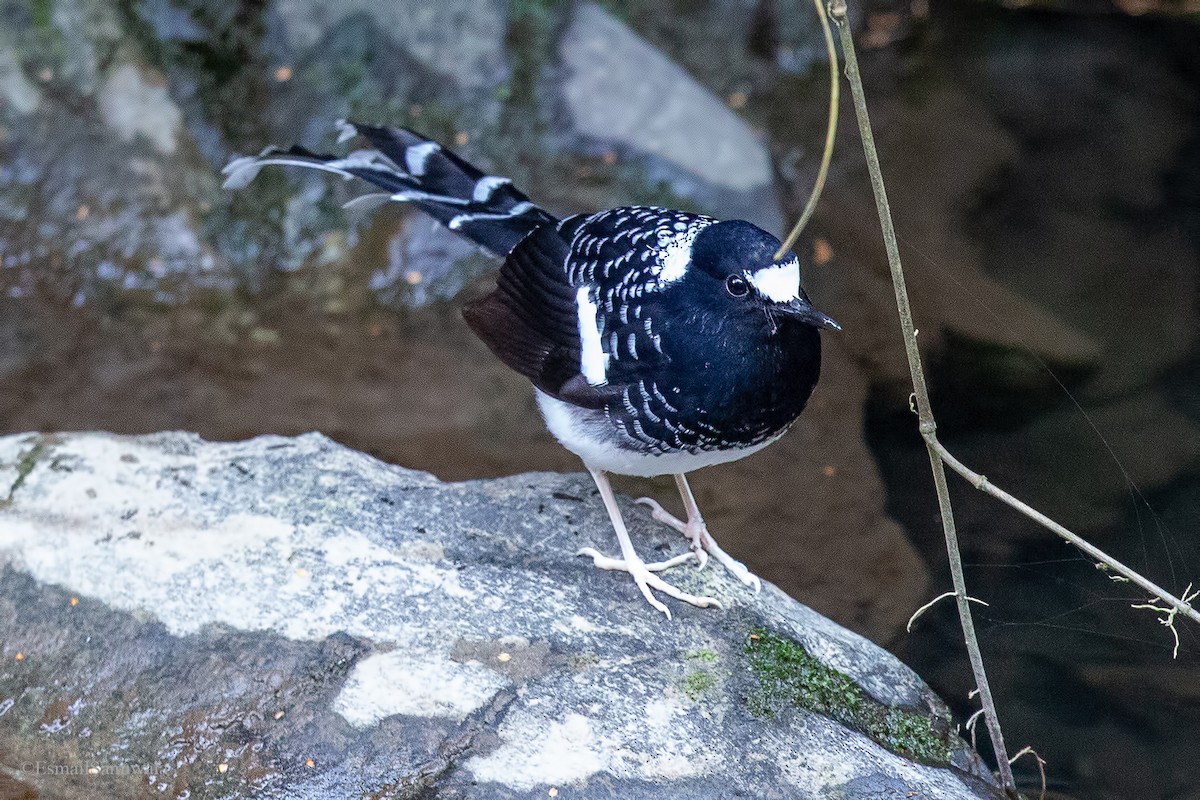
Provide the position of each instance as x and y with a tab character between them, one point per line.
593	361
780	283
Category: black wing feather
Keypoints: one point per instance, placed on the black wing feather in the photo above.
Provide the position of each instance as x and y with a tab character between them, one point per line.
529	320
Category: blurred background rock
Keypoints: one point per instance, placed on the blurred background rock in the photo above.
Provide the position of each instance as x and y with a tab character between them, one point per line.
1043	161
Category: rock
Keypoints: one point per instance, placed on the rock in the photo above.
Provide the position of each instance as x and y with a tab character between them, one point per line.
287	617
91	30
134	103
461	39
622	90
16	91
424	262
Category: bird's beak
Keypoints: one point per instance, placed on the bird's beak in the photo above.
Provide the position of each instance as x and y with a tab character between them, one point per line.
802	310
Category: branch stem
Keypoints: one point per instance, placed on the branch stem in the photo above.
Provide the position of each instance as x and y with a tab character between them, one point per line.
928	426
830	136
984	485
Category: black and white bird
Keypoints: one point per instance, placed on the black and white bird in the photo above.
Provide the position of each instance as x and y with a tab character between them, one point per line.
657	341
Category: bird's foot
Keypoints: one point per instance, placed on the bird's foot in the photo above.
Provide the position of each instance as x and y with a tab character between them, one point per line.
702	543
607	562
644	577
692	532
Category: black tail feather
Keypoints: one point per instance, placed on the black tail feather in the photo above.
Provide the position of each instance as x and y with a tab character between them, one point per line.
486	209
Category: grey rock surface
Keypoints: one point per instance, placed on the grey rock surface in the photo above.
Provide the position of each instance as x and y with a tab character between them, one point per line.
285	617
619	88
461	39
133	105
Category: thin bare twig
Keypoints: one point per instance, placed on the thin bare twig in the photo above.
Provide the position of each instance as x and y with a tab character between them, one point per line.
1041	765
924	408
830	135
1178	605
934	602
1168	614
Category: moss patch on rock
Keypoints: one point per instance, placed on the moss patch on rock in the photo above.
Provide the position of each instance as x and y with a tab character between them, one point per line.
24	465
698	683
699	679
789	677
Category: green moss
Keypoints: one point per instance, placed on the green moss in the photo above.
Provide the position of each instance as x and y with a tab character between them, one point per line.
703	654
789	677
911	733
698	683
40	14
25	464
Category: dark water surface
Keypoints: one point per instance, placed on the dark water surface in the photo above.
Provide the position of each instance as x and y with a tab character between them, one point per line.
1046	162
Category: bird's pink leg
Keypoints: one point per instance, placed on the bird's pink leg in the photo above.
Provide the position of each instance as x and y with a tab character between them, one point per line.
643	574
703	544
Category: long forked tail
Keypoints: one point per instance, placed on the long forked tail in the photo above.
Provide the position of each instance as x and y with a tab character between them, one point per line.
486	209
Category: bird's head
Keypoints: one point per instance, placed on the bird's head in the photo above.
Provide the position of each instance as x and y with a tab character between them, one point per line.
736	261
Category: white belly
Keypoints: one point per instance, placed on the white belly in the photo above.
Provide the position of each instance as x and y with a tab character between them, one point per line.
589	435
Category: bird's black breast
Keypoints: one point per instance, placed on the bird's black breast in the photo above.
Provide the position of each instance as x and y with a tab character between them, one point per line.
718	383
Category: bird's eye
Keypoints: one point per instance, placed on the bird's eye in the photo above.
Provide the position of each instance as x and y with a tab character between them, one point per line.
737	286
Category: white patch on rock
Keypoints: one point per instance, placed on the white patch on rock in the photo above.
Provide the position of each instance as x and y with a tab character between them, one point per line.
565	752
134	103
417	683
117	502
817	772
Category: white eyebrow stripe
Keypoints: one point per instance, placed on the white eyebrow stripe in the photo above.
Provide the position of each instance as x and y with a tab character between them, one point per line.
593	361
780	283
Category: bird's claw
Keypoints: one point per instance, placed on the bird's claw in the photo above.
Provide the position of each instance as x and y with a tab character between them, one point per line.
694	533
646	580
702	543
607	562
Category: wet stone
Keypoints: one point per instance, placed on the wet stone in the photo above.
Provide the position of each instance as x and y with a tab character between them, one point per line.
286	617
622	91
